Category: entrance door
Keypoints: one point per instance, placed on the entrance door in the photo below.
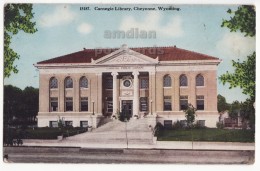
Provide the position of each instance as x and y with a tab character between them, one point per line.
127	107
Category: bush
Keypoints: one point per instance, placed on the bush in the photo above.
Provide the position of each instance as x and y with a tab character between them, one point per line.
220	125
158	129
178	125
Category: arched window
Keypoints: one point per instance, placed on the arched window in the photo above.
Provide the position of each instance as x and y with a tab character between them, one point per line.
199	80
83	82
167	81
68	82
183	80
53	83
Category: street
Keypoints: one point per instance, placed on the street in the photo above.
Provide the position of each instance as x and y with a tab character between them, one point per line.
108	156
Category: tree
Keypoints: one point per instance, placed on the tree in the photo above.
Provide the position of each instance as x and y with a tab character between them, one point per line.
247	112
222	104
190	114
244	76
12	101
234	109
29	105
243	20
21	104
16	17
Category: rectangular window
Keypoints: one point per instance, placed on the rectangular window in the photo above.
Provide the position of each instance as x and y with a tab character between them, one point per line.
168	124
53	124
84	124
143	104
201	123
68	123
84	104
109	104
167	103
54	104
109	84
144	83
200	102
69	104
183	102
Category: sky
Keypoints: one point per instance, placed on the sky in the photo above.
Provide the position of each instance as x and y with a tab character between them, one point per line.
64	29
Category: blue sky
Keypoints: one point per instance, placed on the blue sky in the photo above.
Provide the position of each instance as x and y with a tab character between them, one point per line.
64	29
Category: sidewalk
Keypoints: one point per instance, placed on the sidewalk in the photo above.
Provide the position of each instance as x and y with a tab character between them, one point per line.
158	145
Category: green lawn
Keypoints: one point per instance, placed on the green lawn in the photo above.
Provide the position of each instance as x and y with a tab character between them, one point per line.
207	134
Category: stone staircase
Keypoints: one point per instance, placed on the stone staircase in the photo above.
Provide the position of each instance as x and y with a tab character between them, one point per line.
135	131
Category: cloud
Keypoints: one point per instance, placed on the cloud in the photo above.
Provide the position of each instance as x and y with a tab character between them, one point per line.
61	15
84	28
234	45
152	22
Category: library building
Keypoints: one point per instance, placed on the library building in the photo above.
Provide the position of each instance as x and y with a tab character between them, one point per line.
152	83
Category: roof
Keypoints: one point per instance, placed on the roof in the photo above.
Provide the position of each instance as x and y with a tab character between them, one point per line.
171	53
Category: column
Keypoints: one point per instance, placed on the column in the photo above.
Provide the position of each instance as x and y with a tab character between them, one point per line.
76	96
152	90
61	95
115	98
99	92
136	93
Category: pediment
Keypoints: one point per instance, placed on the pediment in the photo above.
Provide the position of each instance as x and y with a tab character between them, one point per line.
125	55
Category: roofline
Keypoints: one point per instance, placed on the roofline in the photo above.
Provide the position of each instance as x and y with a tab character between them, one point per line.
161	63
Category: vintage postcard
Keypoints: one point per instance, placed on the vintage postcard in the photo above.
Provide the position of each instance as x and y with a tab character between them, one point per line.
129	83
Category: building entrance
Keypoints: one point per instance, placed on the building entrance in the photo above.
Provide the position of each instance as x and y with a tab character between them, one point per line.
127	108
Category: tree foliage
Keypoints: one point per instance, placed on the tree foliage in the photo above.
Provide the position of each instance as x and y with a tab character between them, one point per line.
222	104
243	77
243	20
17	17
190	114
20	104
234	109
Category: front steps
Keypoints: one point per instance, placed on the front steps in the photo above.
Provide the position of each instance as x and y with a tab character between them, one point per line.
135	131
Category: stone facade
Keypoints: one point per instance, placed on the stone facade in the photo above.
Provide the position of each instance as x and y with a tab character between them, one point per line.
82	92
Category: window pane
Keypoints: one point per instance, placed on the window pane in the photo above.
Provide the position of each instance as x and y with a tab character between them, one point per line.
109	84
183	80
53	83
69	104
167	81
200	102
83	82
84	124
84	104
68	83
109	106
167	103
144	83
53	124
183	102
68	123
53	104
143	104
199	80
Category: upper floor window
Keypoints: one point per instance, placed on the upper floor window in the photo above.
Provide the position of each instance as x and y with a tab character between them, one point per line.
199	80
83	82
68	82
144	83
167	81
183	80
53	83
109	84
